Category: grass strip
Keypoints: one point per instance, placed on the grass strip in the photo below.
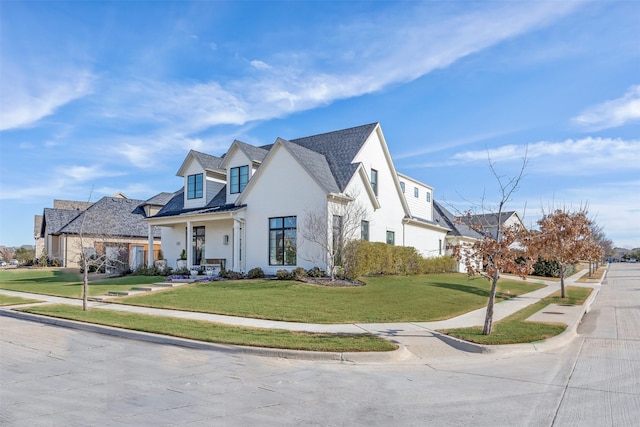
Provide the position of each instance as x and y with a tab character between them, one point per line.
383	299
515	329
218	333
11	300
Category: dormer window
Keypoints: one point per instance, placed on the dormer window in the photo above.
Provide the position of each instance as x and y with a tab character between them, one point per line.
194	186
428	196
239	179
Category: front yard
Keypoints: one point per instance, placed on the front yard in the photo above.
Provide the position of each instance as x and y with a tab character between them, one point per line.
384	299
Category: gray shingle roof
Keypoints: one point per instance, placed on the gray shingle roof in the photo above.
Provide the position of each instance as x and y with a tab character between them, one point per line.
339	148
55	219
315	163
110	216
175	206
255	154
489	220
159	199
207	161
448	220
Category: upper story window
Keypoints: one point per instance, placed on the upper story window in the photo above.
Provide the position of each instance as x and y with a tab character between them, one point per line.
428	196
416	192
239	179
374	181
194	186
402	186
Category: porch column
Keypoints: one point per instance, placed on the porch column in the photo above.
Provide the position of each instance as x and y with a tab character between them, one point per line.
235	263
150	244
188	244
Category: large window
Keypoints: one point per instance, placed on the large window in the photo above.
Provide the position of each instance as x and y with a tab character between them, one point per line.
239	179
198	245
282	240
364	230
194	186
374	181
391	238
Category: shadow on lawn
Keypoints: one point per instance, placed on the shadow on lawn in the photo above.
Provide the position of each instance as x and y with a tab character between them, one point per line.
470	290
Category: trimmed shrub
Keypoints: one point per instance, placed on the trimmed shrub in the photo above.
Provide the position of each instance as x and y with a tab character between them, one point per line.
299	273
231	275
546	268
362	258
315	272
283	275
255	273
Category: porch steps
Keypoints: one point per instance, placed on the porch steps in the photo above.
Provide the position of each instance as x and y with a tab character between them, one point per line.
120	293
151	288
142	288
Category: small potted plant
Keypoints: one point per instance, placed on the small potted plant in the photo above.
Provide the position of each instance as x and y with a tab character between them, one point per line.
160	262
182	261
194	272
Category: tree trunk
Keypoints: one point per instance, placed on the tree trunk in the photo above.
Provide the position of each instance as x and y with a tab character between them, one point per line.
488	319
562	268
85	286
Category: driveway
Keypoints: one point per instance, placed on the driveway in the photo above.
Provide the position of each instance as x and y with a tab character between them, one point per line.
58	376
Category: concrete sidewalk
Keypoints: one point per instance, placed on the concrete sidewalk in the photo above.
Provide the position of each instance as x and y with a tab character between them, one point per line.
418	338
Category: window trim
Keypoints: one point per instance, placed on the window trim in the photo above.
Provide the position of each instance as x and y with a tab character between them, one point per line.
429	196
192	187
416	192
236	183
364	230
281	252
374	181
402	186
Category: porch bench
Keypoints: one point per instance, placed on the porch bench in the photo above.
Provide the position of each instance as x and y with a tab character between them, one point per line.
218	264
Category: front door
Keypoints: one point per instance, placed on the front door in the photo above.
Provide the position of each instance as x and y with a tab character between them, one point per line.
198	245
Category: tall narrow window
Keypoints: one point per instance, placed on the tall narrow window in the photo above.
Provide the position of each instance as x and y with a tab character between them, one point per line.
439	246
416	192
374	181
402	186
364	230
337	240
428	196
238	179
197	245
282	241
194	186
391	238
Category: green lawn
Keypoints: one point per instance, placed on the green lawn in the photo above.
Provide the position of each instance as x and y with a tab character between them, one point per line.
514	329
383	299
214	332
11	300
57	282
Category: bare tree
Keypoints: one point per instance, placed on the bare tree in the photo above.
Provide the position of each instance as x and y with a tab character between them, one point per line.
565	237
331	230
600	238
495	253
6	253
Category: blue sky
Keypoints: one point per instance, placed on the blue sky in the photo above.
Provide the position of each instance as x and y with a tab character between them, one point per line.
100	97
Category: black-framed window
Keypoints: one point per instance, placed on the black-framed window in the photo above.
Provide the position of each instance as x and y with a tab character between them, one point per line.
416	192
282	240
402	186
439	246
364	230
374	181
428	196
239	179
194	186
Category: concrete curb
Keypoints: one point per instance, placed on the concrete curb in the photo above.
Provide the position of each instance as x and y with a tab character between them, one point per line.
402	353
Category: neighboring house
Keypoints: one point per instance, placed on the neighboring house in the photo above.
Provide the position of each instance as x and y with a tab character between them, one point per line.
248	207
114	225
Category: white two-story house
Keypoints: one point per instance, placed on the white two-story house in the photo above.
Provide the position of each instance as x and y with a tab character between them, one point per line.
249	208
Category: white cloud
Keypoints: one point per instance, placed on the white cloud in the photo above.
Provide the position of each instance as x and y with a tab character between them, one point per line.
29	95
565	157
260	65
612	113
356	59
85	173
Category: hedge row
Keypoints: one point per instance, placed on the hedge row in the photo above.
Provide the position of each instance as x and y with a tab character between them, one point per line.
362	258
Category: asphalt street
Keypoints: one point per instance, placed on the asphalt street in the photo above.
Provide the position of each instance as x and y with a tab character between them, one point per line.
58	376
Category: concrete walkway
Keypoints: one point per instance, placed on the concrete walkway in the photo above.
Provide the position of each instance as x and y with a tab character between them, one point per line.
419	338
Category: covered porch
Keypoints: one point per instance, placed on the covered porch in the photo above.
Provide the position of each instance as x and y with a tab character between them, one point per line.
207	239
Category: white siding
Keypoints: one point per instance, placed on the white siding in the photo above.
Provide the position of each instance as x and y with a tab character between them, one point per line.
389	216
419	206
193	169
276	194
430	243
